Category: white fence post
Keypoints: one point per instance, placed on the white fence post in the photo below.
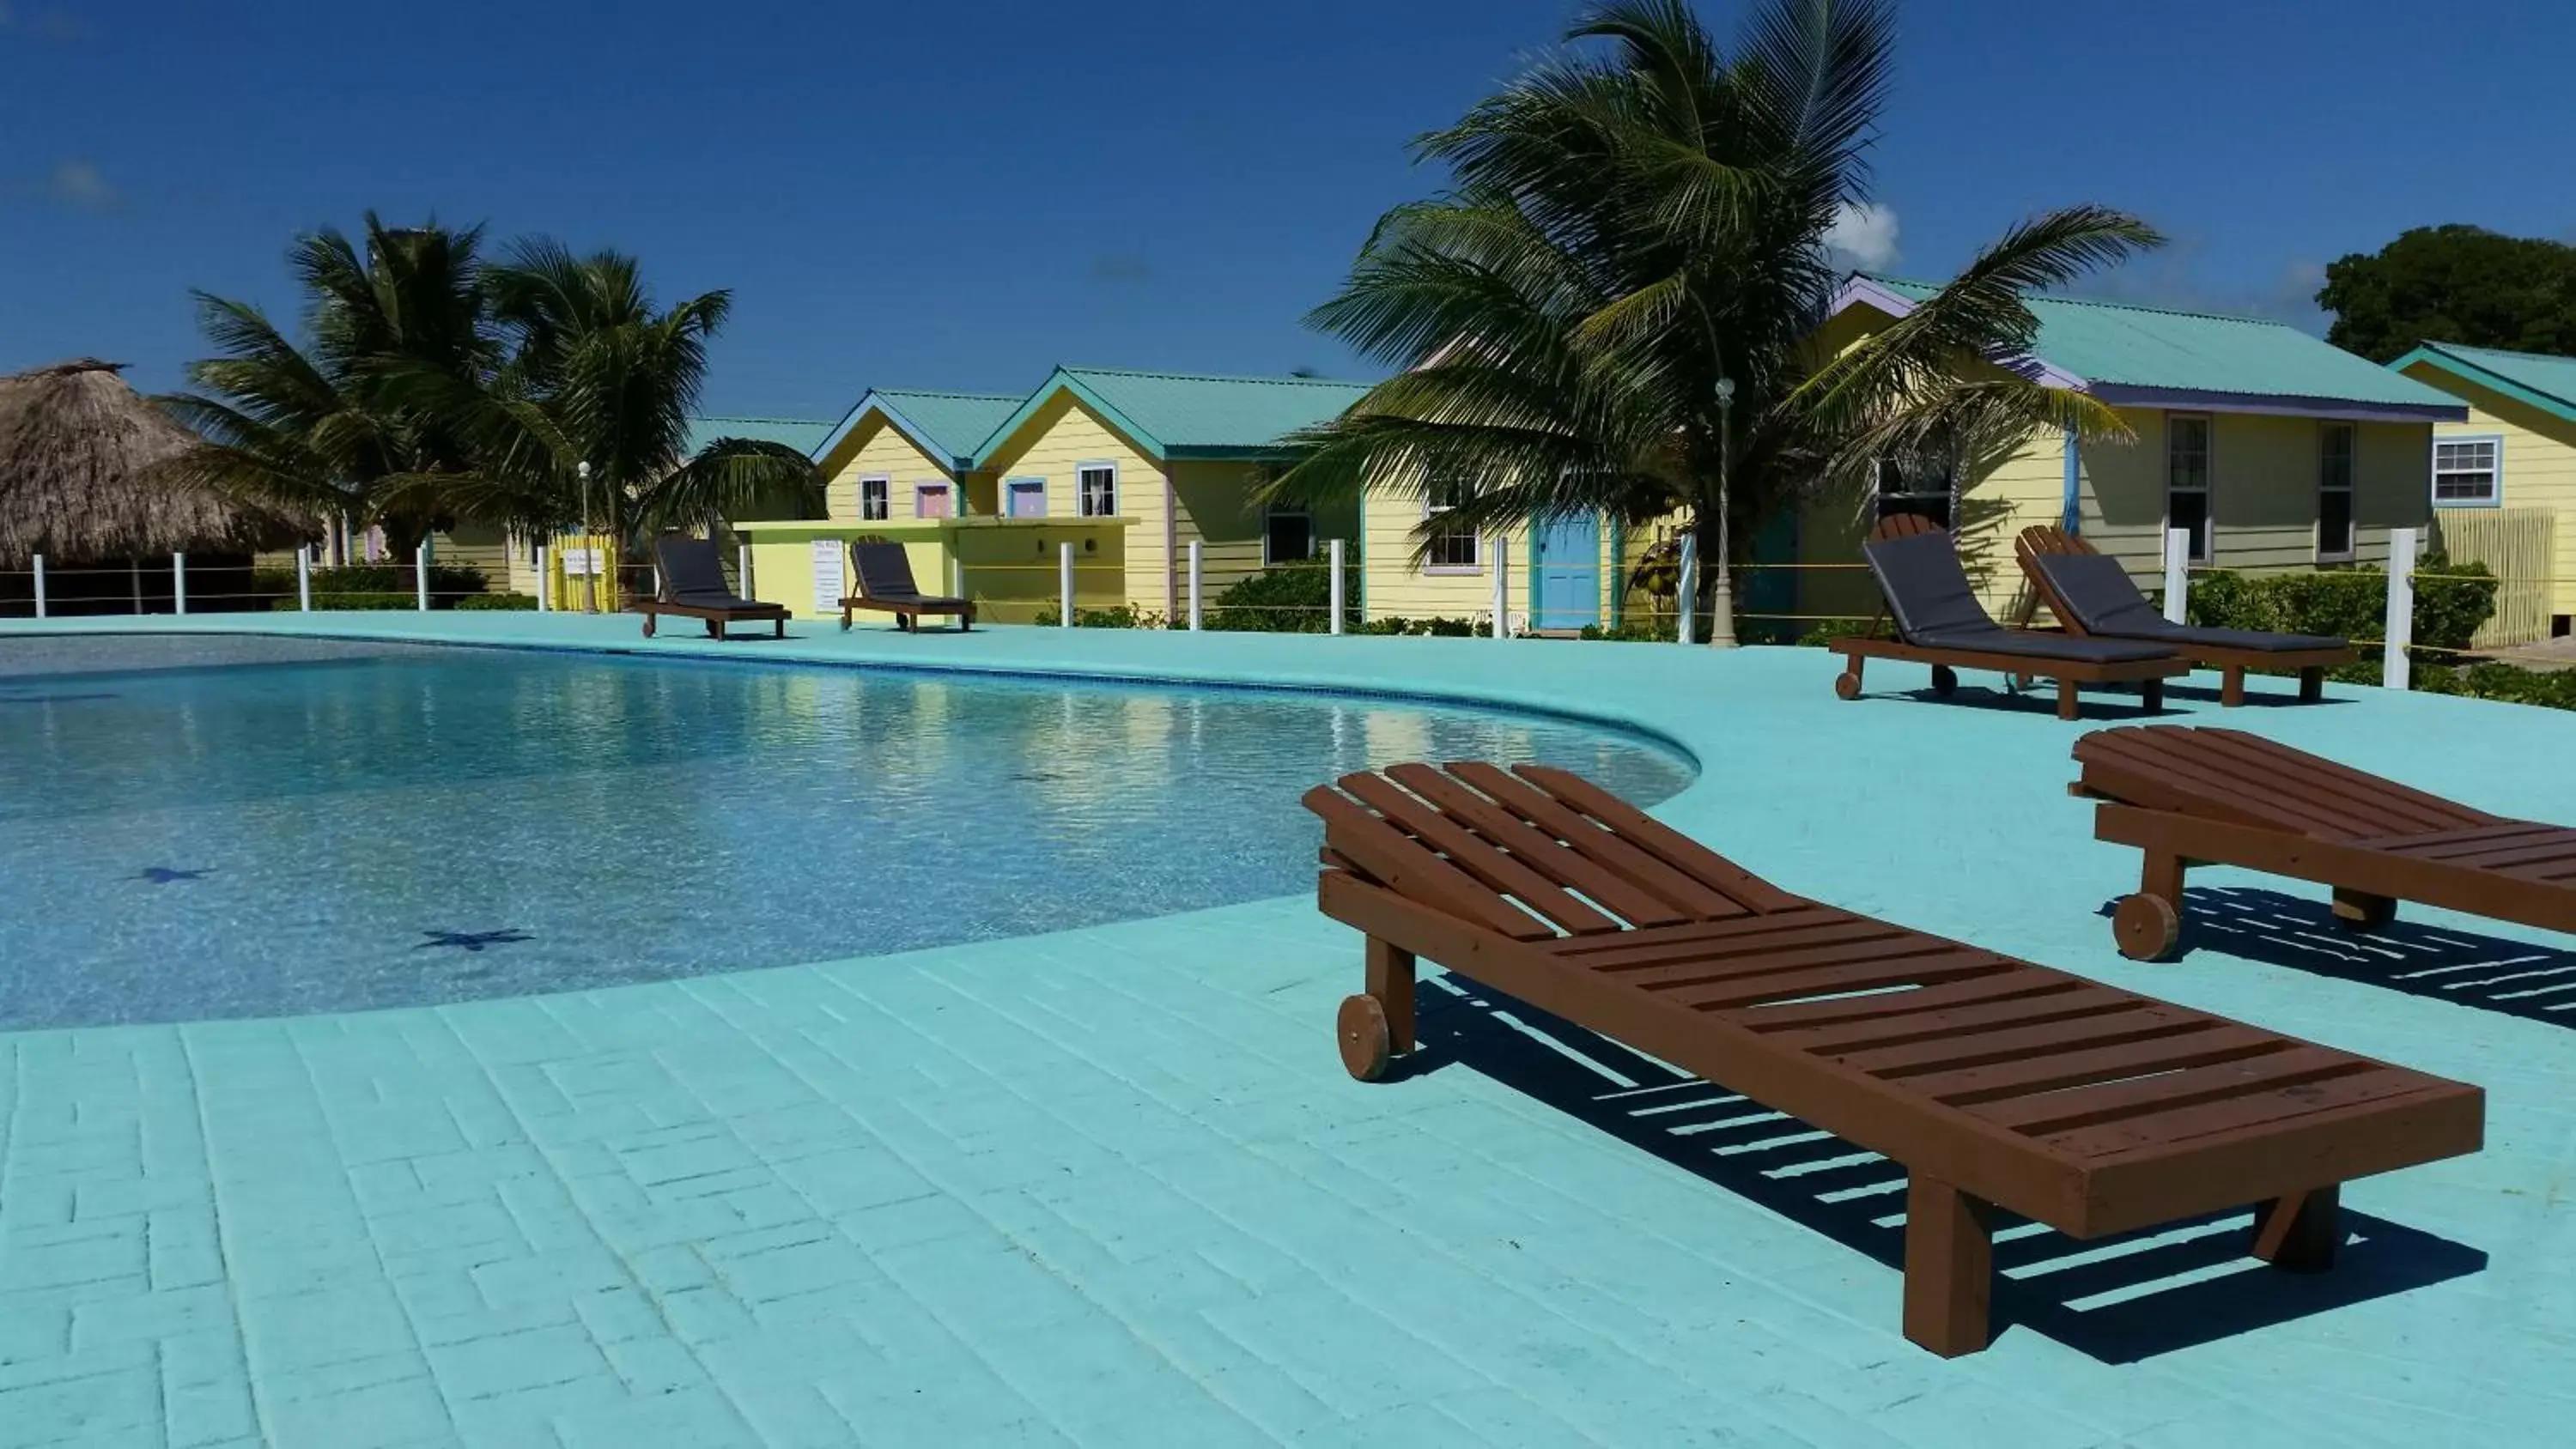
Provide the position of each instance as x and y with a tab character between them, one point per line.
2177	574
179	582
1337	586
1064	581
1686	584
1502	550
742	570
420	575
545	584
1198	576
40	586
2394	670
304	580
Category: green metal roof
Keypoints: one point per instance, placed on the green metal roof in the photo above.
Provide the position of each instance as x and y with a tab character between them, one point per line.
2545	382
2122	352
1187	415
797	433
949	424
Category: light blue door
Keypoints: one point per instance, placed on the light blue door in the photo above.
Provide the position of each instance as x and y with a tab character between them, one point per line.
1565	572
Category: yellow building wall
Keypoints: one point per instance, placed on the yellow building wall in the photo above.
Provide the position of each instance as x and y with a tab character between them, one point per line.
2539	463
1010	570
878	449
1394	586
1215	506
1061	437
2026	486
2264	470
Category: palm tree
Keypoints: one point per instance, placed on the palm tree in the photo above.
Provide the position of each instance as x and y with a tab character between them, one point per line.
1635	238
598	375
331	430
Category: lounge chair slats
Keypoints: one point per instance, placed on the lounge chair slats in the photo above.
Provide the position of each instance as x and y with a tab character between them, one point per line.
1992	1081
1940	623
2193	796
881	577
2092	596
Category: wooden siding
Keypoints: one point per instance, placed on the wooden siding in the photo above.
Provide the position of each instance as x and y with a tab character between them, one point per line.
2539	462
2263	490
878	449
1054	443
1394	586
1216	508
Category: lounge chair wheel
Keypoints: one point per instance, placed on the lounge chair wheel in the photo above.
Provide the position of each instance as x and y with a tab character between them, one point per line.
2146	927
1945	680
1366	1044
1846	685
648	626
2020	682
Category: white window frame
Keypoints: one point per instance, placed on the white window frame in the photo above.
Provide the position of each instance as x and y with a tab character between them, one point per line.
2351	433
1475	541
1277	511
884	484
2494	443
1082	491
940	486
2205	540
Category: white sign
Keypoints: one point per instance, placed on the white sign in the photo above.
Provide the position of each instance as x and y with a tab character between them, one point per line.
580	562
827	575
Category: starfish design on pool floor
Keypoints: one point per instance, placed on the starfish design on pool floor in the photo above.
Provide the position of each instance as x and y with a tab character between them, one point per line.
472	940
163	875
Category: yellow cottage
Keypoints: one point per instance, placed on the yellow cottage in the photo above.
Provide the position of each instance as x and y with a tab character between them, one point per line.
2272	448
1174	457
2503	481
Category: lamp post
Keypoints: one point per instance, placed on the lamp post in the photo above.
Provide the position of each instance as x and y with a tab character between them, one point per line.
1721	610
589	549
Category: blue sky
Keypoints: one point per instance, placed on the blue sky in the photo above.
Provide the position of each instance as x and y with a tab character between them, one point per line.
962	194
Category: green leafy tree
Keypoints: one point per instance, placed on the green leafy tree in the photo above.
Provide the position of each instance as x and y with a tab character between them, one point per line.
1636	221
598	374
2454	284
327	429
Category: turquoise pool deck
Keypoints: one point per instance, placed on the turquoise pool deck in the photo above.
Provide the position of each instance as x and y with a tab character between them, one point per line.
1111	1187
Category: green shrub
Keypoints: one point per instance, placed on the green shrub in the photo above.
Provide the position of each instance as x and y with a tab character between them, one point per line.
1117	616
2351	603
1293	598
1827	631
1438	627
1637	629
518	602
364	586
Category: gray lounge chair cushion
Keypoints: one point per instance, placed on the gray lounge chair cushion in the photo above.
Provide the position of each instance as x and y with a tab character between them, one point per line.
885	573
693	574
1935	607
2105	601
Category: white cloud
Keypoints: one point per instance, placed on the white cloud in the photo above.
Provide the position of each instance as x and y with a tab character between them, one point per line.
78	183
1863	234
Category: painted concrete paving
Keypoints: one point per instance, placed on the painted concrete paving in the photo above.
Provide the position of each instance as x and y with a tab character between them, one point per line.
1111	1187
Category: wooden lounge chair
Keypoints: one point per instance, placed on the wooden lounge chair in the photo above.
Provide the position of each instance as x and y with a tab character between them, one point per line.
693	586
2197	796
1939	622
2093	597
883	574
1990	1080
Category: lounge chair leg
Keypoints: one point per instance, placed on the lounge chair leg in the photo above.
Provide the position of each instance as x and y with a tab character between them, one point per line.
2299	1233
1949	1267
2363	911
648	626
2148	925
1390	980
2068	704
1847	683
2231	686
782	629
2152	695
845	621
2312	684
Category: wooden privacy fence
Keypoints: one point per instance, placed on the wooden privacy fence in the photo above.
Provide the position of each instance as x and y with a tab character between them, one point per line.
2518	546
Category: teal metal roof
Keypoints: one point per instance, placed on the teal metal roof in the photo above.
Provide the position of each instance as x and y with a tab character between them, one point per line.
798	433
946	425
1186	415
2122	352
2545	382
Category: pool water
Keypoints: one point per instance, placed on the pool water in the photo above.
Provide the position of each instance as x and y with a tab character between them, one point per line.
216	827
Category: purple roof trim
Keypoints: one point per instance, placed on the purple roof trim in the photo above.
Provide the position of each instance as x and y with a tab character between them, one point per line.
1866	290
2337	409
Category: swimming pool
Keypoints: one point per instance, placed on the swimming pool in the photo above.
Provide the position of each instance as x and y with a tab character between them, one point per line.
222	826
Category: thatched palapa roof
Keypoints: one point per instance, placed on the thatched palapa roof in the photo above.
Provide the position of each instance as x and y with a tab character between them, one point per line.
78	449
